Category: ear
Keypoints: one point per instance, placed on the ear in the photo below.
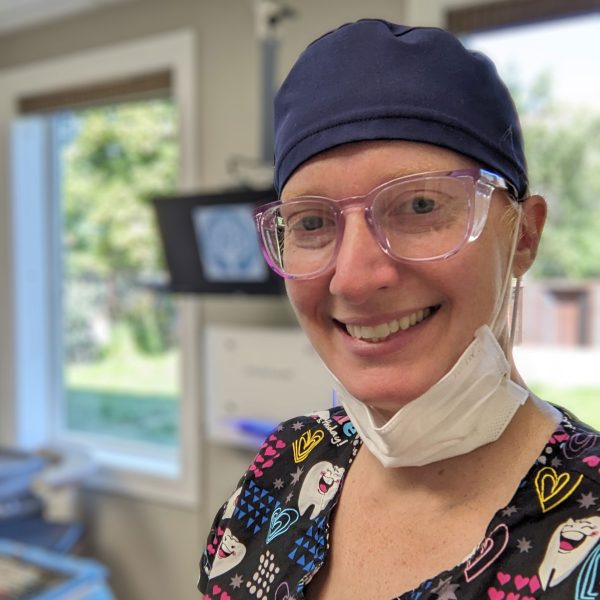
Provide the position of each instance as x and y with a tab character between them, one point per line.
532	224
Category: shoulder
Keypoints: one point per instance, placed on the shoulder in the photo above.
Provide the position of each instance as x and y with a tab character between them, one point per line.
579	446
332	427
558	532
297	444
292	480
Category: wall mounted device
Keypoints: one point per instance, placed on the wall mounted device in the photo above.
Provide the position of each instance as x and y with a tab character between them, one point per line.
211	245
257	377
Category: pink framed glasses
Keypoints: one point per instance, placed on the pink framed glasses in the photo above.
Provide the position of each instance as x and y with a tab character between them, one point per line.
422	217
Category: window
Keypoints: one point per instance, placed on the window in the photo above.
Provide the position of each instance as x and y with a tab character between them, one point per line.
98	295
556	87
118	335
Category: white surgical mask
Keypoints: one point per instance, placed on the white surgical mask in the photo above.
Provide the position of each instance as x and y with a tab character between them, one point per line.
468	407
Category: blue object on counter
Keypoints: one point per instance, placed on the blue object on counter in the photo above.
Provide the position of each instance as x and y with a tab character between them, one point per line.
58	537
255	427
31	573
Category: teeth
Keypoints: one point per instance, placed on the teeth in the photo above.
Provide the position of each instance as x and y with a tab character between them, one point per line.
381	331
376	333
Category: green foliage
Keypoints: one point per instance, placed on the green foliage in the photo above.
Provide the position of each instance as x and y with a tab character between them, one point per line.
563	150
122	369
117	159
121	157
85	300
151	318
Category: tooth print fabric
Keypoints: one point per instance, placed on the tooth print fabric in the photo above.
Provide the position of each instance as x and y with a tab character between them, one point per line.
270	537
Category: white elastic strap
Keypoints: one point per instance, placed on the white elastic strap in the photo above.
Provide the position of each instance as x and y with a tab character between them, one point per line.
515	313
495	325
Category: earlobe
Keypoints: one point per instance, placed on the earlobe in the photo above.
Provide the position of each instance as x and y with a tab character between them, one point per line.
532	224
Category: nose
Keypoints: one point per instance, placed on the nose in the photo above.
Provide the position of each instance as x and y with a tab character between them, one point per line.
362	268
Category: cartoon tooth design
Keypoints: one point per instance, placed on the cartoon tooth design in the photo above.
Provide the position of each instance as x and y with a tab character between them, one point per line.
231	504
319	486
570	543
230	553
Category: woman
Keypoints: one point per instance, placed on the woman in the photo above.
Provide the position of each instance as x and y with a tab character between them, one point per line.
404	216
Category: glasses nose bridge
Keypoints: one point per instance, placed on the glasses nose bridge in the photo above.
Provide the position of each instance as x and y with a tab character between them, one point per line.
363	204
363	201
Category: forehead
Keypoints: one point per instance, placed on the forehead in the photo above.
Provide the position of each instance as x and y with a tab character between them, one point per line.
356	168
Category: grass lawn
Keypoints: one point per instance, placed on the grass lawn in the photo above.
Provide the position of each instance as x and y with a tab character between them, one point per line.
584	402
126	394
146	418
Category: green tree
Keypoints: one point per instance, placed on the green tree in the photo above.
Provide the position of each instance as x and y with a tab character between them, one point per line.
563	150
121	157
118	159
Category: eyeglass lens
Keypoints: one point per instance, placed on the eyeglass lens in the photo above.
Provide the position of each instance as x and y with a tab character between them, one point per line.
413	220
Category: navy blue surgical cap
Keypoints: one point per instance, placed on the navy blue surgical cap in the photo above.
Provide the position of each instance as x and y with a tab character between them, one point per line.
374	80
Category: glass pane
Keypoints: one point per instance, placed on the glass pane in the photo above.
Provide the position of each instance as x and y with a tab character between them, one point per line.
119	333
556	87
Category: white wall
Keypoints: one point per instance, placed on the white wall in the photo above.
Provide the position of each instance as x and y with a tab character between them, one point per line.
433	12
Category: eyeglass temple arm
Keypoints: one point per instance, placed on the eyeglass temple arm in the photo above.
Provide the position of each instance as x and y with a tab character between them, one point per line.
499	182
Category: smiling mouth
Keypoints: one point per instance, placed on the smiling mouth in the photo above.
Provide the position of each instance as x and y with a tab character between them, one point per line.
568	544
224	553
324	485
378	333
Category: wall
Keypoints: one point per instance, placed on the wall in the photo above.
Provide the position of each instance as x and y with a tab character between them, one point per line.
433	12
562	313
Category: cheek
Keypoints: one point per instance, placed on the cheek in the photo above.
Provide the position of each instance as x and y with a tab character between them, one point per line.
306	297
470	283
486	265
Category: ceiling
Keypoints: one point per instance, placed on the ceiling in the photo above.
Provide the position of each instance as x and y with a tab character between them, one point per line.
21	14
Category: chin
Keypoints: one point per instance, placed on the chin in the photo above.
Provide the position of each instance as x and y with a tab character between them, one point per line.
383	399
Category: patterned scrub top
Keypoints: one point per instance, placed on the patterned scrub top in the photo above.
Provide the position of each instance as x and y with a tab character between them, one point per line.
271	536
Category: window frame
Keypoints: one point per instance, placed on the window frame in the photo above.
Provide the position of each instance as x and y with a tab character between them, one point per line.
500	14
133	469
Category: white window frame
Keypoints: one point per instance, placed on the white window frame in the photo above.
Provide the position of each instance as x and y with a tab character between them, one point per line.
26	419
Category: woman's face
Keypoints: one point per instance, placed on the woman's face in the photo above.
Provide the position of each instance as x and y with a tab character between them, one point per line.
366	288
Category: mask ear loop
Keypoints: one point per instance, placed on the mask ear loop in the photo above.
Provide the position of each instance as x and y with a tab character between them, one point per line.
515	312
497	325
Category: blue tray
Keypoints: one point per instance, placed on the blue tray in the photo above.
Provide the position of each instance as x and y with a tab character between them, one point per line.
56	576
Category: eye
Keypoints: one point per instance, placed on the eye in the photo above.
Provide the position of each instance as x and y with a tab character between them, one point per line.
305	219
422	205
398	203
310	223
